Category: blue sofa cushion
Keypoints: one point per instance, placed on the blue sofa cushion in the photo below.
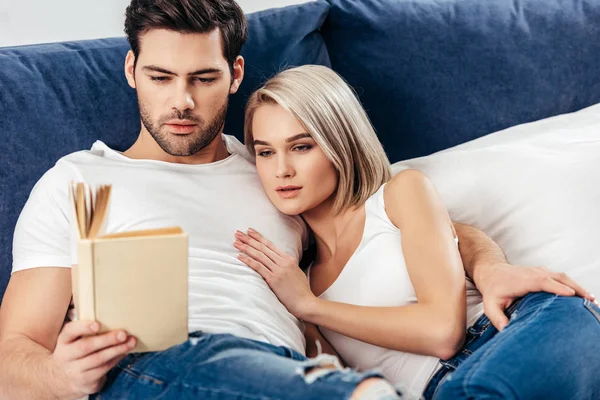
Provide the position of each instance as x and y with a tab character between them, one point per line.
433	74
59	98
277	39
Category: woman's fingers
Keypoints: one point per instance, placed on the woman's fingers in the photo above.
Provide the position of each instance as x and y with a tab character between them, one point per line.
258	245
254	253
256	265
258	237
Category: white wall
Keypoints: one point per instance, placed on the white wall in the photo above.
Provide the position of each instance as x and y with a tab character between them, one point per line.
43	21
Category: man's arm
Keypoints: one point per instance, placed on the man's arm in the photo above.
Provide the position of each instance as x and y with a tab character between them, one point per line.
39	357
35	361
501	283
477	250
32	313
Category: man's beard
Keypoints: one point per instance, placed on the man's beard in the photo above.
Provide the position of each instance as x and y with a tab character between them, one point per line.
184	145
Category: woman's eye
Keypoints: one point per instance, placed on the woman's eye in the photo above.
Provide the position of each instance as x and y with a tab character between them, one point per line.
264	153
303	147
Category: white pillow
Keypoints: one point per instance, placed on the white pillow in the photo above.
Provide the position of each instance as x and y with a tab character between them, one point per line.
534	188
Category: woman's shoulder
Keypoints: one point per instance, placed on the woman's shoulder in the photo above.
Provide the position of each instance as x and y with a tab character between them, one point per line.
406	179
406	192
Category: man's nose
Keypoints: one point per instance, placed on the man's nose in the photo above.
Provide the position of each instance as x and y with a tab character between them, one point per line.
183	99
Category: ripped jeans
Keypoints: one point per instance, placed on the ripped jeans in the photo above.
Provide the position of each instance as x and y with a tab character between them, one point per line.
223	366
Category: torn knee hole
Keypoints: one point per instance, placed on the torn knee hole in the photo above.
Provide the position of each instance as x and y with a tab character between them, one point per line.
319	367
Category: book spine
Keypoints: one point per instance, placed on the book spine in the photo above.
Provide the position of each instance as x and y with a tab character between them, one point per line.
83	282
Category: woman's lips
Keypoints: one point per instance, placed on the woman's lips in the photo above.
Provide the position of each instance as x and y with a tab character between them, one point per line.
288	192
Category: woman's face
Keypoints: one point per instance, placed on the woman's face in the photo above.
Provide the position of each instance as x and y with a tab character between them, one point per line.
296	174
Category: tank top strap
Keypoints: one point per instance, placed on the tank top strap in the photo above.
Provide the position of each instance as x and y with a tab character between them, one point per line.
375	207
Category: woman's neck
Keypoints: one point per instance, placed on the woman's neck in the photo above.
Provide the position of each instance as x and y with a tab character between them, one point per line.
328	227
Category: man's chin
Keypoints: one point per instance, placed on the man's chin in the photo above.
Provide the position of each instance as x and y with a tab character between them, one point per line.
177	149
177	144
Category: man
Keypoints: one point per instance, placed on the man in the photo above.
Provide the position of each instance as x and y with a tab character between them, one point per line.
182	170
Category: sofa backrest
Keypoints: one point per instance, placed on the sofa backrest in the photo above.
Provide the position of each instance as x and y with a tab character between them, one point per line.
433	74
59	98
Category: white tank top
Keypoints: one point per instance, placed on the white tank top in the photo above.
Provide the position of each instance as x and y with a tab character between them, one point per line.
376	275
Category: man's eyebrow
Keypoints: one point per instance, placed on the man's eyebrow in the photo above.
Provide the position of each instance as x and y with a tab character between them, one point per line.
206	71
158	69
288	140
202	71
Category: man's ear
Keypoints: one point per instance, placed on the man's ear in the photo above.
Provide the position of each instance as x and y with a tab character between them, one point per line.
129	68
238	74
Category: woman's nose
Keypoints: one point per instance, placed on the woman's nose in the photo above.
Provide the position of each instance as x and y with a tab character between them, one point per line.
284	168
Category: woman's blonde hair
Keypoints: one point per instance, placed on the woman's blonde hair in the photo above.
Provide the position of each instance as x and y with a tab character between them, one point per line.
329	110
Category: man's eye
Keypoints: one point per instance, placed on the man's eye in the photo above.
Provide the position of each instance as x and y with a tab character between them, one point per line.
159	78
204	80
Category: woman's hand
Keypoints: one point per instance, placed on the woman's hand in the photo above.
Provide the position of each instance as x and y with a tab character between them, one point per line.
278	269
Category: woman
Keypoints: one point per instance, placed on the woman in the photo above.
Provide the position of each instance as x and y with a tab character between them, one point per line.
387	288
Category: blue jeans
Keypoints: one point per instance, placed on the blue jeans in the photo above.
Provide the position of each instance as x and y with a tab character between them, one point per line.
549	350
222	366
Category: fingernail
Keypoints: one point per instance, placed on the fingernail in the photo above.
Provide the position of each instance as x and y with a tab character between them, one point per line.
94	327
131	342
121	336
592	295
251	230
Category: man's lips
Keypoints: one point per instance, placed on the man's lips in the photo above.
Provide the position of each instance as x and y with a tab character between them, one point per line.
181	127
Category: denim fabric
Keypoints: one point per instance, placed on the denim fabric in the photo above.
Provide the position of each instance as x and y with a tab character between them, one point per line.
59	98
219	367
549	350
433	74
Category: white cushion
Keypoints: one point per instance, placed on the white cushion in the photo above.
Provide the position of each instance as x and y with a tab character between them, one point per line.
534	188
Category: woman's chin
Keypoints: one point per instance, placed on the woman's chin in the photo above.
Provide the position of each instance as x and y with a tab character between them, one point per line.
290	209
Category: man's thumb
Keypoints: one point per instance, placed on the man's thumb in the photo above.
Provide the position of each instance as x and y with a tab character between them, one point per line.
496	315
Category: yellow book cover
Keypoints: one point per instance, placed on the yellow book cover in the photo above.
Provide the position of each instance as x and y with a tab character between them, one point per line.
136	281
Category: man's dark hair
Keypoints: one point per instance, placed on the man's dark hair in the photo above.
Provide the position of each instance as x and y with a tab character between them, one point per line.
188	16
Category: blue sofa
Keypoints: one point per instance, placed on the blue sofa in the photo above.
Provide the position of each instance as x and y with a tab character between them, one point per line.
431	74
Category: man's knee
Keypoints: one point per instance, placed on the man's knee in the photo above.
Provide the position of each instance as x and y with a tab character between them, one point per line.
375	389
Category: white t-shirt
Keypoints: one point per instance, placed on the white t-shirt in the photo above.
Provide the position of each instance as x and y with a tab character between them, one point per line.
209	201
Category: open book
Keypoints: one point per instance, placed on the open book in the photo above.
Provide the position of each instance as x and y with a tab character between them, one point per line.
136	281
